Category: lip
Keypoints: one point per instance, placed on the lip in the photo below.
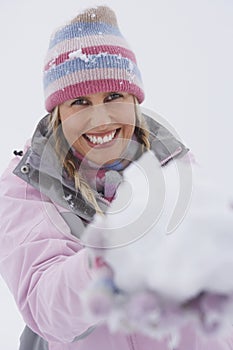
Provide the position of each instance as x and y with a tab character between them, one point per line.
102	134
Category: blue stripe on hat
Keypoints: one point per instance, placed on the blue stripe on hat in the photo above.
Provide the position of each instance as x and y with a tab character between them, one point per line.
81	29
95	62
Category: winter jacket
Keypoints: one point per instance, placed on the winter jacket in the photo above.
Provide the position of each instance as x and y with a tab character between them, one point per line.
44	262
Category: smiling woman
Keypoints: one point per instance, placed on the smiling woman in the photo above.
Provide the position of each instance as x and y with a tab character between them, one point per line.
102	126
98	128
70	171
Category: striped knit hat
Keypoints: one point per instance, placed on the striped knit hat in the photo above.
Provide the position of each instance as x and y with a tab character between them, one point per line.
89	55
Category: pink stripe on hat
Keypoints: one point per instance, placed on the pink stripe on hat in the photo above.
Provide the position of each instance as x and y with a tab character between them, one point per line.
90	74
85	88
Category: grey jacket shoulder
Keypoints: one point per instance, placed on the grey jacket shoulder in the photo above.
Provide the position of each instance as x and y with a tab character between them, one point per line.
163	143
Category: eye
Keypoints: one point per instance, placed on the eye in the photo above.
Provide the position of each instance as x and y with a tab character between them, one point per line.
112	96
80	102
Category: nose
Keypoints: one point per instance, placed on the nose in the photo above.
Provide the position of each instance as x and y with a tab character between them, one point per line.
99	116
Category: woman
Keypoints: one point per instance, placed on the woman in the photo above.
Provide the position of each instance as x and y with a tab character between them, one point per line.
69	171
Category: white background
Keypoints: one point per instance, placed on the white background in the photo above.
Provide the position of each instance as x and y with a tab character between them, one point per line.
184	51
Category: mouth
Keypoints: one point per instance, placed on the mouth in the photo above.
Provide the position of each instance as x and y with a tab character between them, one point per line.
101	139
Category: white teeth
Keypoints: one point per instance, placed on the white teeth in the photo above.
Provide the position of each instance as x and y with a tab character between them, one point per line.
100	140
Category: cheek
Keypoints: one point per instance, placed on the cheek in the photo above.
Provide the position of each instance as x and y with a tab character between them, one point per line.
75	123
72	129
127	131
128	125
126	116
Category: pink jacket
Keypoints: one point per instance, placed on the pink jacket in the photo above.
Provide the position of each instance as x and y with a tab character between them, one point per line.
46	269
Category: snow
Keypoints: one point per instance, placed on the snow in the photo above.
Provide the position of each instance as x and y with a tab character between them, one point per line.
192	265
130	65
92	59
68	197
78	54
84	57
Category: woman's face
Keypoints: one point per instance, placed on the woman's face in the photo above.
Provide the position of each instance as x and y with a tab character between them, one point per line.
99	126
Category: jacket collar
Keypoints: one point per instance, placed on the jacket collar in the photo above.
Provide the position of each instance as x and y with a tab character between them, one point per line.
41	168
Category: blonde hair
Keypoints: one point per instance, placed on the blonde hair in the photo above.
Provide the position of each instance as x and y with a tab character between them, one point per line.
67	158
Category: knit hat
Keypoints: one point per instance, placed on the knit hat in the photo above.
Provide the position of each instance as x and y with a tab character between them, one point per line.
89	55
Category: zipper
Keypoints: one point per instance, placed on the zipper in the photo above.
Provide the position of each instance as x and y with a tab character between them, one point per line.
131	342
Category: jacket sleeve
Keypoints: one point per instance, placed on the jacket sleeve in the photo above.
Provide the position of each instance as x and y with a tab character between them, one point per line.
44	266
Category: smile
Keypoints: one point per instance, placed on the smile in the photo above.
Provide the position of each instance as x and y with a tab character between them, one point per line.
101	138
